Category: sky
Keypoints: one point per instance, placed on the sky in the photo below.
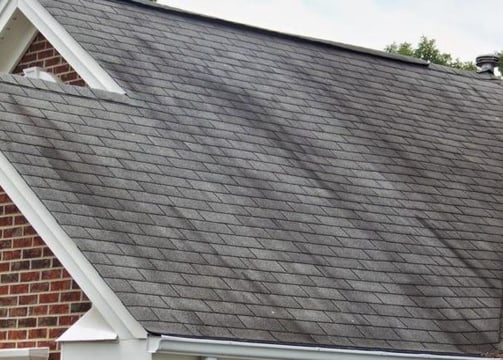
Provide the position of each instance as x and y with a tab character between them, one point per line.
464	28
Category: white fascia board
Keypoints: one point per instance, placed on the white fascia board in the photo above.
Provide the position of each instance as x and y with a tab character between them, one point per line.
25	354
91	327
256	351
16	35
83	63
7	9
91	283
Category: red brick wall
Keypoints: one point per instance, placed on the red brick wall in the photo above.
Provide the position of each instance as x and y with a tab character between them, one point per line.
42	54
38	298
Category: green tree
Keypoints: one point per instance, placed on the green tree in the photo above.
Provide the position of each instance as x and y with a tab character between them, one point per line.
427	49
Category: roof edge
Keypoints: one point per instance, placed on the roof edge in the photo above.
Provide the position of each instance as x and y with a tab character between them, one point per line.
261	351
74	261
323	42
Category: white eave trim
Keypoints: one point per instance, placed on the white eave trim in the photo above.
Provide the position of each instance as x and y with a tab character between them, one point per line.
256	351
93	285
83	63
25	354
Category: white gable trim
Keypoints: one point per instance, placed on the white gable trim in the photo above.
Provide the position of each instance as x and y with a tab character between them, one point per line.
171	345
83	63
16	35
105	300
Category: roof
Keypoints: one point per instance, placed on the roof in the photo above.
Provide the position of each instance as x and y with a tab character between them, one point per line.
257	186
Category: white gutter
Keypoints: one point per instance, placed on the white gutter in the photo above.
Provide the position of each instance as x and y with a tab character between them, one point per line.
255	351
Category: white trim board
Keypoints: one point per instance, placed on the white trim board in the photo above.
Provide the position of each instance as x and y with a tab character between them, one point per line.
15	37
25	354
91	327
93	285
83	63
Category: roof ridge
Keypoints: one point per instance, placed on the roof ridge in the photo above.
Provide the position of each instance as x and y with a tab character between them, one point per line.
324	42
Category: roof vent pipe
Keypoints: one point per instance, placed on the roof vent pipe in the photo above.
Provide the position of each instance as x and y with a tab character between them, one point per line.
487	63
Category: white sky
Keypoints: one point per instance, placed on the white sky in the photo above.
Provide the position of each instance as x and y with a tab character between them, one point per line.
464	28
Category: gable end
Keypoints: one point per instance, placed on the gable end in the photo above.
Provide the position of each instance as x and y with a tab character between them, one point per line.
42	54
21	20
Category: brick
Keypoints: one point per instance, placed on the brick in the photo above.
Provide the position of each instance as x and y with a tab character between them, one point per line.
47	321
28	230
46	251
20	265
61	285
71	296
6	221
61	69
27	299
39	333
27	322
37	241
20	220
59	309
39	287
12	232
8	300
18	312
45	343
16	334
5	244
26	344
48	298
11	209
52	61
45	54
19	289
80	307
7	323
67	320
9	278
22	243
32	253
30	276
51	274
40	264
56	333
39	310
11	255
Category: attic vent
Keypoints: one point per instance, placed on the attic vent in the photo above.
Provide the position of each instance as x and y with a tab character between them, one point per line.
487	63
39	73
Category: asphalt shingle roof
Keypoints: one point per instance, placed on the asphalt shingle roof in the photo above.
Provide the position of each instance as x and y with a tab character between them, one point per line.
256	186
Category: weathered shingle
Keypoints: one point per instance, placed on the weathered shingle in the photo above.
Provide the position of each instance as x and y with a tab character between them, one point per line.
256	186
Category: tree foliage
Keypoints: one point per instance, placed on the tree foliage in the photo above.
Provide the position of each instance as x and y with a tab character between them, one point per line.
427	49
